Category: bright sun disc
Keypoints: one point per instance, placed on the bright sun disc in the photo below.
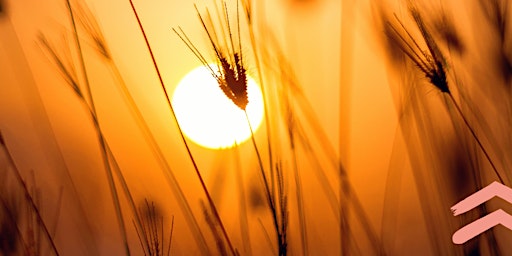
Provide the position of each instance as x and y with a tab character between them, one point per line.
208	117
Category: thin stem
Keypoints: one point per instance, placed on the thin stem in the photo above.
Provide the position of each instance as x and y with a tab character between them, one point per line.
298	181
346	52
30	199
102	141
203	184
262	85
244	226
476	137
46	133
124	185
157	151
170	237
81	57
112	185
300	205
260	162
270	199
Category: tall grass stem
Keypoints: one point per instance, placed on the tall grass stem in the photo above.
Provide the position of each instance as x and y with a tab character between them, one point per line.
203	184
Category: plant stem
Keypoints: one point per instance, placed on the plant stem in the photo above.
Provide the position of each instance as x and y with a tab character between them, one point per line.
493	245
244	224
300	204
262	84
29	197
106	162
269	194
475	136
203	184
157	151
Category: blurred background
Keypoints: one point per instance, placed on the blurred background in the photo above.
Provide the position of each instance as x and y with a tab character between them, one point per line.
323	60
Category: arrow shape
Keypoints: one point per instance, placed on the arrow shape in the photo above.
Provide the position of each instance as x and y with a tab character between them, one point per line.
483	195
481	225
487	222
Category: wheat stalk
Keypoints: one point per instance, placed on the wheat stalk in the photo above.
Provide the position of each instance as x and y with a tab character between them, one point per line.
99	43
432	64
232	80
203	184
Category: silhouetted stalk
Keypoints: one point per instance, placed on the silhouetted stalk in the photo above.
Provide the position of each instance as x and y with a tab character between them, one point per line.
244	226
248	10
53	227
298	181
124	185
493	243
70	78
168	173
300	205
431	63
346	52
170	237
13	221
110	178
203	184
29	198
475	137
354	200
152	230
40	119
271	197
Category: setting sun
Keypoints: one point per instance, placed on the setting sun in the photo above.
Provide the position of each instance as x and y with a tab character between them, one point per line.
131	127
208	117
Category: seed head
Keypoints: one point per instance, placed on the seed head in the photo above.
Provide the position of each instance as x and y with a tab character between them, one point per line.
430	61
234	82
231	76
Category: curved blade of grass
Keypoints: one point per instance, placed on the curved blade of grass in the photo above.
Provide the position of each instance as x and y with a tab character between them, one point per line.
42	126
171	179
101	138
203	184
29	198
93	30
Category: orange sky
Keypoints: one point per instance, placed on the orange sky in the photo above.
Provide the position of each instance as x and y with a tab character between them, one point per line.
310	32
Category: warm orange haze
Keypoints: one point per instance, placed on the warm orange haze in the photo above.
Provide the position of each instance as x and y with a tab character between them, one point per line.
208	117
323	127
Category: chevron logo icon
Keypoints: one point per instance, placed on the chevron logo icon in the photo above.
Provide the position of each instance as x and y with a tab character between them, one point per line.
487	222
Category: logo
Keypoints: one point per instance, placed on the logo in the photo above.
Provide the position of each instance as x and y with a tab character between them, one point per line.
487	222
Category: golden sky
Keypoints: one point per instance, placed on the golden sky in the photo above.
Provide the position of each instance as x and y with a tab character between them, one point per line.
36	105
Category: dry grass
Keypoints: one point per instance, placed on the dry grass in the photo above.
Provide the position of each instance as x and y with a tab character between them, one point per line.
232	80
458	157
13	236
445	133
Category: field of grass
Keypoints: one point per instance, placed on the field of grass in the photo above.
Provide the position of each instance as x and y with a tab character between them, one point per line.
379	116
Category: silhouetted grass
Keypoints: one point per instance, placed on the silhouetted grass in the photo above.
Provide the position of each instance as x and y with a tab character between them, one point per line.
303	136
65	66
196	168
232	79
11	224
152	230
294	135
89	100
94	32
445	131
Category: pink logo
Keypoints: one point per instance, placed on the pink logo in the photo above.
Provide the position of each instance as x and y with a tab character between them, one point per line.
479	226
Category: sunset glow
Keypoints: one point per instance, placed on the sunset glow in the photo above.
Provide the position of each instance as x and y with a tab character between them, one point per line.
132	127
208	117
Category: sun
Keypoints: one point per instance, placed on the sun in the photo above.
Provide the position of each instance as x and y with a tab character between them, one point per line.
208	117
